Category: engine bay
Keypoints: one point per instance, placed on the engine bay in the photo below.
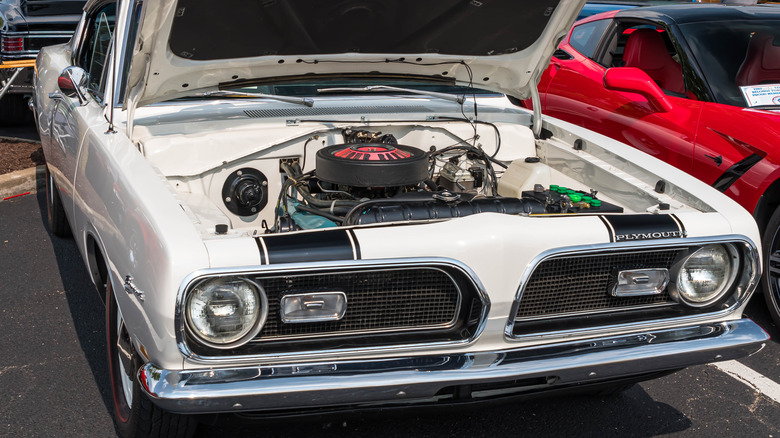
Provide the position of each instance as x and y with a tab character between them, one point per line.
373	179
352	175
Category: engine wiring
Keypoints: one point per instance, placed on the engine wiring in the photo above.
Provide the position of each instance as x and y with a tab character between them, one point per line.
423	122
492	180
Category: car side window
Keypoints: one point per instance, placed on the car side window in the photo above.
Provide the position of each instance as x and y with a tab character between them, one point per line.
650	49
585	37
93	56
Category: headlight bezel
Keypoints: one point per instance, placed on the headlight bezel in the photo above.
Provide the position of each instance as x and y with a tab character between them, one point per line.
725	291
254	328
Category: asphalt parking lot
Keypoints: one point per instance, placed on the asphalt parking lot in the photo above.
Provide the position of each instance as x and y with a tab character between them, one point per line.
54	380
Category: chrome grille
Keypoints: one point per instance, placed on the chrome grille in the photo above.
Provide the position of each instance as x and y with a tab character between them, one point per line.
572	284
386	300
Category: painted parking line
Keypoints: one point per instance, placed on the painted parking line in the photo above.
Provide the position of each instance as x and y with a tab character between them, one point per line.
757	381
16	196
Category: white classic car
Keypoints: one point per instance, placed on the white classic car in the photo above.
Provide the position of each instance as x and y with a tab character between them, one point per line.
304	206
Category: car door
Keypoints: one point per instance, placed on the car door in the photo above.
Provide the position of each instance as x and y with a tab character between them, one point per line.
70	120
574	91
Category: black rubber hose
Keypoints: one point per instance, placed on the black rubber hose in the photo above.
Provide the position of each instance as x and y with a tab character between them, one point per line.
323	202
431	185
304	191
319	212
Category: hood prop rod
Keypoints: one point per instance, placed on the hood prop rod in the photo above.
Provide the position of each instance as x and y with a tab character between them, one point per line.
536	122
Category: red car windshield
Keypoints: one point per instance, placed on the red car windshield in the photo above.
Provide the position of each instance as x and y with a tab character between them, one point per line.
735	54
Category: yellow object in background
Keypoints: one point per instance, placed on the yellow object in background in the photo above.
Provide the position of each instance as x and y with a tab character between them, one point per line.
16	64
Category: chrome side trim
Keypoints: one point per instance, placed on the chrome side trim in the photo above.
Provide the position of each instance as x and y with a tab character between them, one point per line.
420	379
22	54
78	35
40	34
748	287
299	268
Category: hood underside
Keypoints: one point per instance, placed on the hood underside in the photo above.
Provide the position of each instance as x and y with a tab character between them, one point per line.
192	45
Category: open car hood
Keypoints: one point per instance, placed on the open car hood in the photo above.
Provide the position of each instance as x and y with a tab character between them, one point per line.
189	46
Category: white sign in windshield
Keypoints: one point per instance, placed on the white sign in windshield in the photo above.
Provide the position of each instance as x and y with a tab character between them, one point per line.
762	95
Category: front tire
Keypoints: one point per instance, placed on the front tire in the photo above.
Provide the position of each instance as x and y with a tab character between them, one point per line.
771	275
135	416
55	213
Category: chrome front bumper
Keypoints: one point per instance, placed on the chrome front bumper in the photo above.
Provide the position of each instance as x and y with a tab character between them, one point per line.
421	379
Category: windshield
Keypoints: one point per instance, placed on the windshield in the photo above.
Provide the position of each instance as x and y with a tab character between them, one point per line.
736	54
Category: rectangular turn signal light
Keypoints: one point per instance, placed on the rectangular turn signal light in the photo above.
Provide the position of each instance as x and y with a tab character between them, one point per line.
313	307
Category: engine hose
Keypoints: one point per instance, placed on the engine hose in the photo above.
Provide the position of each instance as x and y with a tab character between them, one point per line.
297	181
323	203
319	212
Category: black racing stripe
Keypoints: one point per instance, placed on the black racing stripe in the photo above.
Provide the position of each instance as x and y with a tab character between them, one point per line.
357	244
644	227
609	228
263	261
308	247
680	224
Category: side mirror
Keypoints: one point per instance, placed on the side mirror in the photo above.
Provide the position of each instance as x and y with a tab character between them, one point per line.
634	80
73	83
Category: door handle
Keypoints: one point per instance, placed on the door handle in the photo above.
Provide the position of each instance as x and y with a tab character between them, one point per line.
718	160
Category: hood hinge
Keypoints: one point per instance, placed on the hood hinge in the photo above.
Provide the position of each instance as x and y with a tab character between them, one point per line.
134	94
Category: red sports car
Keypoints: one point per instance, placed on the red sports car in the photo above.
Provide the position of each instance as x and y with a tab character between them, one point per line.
697	86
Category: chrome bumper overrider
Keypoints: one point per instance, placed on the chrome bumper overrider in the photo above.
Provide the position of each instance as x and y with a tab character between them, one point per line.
401	380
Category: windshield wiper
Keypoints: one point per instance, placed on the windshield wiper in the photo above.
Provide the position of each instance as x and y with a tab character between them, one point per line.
373	88
289	99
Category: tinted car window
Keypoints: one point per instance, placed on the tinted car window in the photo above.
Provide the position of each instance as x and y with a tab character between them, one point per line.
95	49
585	37
721	49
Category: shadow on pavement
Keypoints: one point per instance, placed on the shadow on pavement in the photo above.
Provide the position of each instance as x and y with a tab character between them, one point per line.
632	413
85	305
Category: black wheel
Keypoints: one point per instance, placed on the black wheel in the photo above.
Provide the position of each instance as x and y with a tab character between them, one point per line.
58	223
135	415
771	277
13	110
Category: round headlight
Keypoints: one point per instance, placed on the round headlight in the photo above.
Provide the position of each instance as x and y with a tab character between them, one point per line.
226	312
706	275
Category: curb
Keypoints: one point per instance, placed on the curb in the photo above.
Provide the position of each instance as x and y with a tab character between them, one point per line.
20	139
22	182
